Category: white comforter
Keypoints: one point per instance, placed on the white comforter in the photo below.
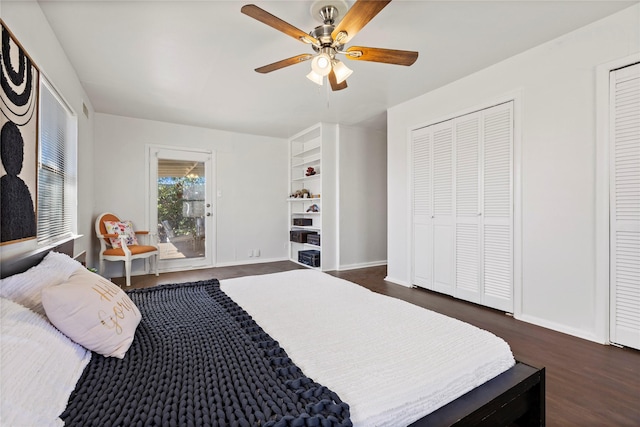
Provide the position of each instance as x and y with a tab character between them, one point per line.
391	361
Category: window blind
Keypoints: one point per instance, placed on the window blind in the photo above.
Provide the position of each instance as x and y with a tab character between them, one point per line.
56	168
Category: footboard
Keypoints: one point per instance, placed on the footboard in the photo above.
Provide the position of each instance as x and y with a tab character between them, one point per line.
515	397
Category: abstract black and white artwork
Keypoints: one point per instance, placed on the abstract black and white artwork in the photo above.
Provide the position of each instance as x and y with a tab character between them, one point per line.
18	141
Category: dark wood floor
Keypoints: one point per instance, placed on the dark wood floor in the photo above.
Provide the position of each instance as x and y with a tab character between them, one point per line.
588	384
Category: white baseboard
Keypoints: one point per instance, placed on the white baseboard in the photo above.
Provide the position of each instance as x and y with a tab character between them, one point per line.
558	327
362	265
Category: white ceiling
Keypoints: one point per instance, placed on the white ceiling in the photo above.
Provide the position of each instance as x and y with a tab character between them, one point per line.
192	62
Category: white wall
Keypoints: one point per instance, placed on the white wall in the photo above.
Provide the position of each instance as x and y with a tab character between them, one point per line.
362	188
250	170
558	138
28	24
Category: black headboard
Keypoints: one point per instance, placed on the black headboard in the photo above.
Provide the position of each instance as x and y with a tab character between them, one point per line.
23	262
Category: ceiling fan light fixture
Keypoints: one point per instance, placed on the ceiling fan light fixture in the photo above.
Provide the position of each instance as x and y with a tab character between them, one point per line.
341	71
315	77
339	23
321	64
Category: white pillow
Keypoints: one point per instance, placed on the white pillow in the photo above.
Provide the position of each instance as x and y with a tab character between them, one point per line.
93	312
25	288
39	368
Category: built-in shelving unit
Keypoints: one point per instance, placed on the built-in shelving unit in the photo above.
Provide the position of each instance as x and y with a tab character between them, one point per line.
307	150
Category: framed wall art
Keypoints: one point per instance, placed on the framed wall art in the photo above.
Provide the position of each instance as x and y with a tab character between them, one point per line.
19	81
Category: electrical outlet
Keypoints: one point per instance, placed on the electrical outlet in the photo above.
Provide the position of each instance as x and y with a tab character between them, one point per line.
256	252
250	254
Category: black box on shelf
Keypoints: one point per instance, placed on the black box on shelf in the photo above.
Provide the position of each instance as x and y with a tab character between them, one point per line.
300	236
313	239
310	258
302	222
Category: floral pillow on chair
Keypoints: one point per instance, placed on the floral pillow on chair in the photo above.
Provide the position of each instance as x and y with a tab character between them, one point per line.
121	228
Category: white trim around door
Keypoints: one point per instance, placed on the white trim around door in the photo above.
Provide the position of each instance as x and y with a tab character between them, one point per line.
189	240
603	147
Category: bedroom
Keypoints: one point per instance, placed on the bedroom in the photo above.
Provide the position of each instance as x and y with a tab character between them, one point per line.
558	265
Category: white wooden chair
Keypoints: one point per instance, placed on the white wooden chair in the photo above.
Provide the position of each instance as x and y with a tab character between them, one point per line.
127	252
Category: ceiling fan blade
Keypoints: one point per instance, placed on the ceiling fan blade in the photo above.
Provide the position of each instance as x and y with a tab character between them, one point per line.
284	63
375	54
357	17
273	21
334	82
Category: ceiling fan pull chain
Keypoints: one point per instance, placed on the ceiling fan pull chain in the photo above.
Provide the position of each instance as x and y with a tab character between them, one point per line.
327	93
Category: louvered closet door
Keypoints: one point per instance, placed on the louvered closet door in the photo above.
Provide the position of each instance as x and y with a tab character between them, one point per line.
625	206
422	199
463	207
467	190
497	207
442	217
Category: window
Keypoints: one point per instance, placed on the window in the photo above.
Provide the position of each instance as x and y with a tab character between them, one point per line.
56	167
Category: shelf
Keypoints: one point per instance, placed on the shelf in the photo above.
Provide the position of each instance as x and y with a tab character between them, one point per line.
308	135
302	199
307	245
315	161
306	227
306	178
307	152
304	265
305	213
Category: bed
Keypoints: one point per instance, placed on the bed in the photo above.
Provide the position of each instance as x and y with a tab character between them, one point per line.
291	362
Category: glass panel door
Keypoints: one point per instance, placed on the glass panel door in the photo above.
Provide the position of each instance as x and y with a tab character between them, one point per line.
181	208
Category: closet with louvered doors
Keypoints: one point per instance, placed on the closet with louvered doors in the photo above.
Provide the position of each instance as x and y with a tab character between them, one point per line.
462	213
624	205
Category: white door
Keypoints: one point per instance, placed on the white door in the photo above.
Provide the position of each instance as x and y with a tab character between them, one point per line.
468	219
181	204
625	206
484	207
497	207
422	209
442	217
432	178
462	181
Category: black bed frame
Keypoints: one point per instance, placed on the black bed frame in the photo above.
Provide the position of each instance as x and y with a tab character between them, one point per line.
514	398
18	264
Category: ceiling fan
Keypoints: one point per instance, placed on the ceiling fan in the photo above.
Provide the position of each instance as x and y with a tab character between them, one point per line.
329	39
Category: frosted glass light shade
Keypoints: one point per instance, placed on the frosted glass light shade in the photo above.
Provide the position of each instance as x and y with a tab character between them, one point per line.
315	77
321	64
341	71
